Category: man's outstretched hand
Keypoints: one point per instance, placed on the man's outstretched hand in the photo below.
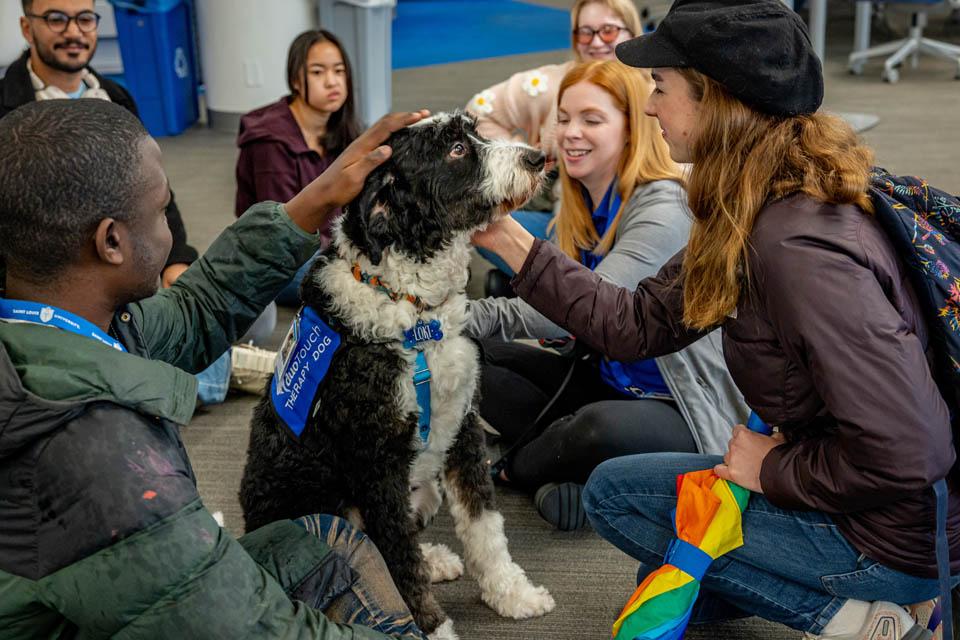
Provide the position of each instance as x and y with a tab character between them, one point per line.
343	179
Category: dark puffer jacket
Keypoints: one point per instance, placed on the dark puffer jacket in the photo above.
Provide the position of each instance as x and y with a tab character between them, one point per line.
103	532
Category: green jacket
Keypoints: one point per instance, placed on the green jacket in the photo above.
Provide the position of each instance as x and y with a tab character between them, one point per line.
102	531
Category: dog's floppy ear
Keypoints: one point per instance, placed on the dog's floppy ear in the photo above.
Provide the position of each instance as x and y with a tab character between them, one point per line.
375	205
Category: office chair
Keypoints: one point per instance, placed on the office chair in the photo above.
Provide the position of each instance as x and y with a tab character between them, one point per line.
650	18
911	46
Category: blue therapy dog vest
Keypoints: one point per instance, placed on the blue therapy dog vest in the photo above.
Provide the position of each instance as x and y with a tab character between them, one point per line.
305	358
302	364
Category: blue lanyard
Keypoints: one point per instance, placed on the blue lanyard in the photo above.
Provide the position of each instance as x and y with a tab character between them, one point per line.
601	216
34	313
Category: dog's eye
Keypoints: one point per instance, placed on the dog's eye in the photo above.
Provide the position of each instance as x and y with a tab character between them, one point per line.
458	150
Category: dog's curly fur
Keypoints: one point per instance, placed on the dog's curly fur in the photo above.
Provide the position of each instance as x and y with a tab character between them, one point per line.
361	455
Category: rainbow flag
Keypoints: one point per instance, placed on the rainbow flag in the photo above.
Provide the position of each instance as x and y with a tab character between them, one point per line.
708	524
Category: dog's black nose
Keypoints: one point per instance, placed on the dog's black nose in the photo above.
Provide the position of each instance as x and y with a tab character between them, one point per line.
534	159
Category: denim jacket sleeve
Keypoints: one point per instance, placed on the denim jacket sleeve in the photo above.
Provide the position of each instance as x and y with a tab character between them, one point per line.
216	300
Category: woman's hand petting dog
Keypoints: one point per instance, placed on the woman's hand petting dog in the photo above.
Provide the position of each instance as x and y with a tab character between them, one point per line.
744	457
508	239
343	179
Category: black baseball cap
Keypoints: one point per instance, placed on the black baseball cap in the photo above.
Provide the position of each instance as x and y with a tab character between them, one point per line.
759	50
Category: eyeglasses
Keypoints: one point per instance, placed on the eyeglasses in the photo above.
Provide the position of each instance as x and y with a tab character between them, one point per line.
608	33
58	21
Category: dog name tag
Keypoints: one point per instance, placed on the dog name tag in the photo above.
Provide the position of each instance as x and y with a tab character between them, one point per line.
422	332
301	365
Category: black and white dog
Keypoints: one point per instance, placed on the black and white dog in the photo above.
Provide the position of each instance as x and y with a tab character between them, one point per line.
392	286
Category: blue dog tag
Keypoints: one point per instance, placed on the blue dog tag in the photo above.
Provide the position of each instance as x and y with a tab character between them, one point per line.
302	364
422	332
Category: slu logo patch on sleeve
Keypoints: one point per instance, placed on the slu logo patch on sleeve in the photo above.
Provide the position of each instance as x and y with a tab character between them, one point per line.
302	364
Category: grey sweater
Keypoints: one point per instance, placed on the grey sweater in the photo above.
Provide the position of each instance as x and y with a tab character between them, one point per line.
654	225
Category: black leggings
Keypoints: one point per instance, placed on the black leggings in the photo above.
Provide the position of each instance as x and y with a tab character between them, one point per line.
589	423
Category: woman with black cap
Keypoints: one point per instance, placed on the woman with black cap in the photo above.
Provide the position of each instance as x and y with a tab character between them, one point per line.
822	333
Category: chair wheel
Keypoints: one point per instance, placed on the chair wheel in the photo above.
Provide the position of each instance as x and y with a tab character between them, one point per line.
890	75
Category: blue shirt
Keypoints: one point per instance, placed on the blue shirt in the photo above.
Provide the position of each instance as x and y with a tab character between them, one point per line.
642	378
607	209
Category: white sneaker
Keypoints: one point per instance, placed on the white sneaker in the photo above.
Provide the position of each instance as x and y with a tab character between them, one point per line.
251	368
873	621
889	625
922	612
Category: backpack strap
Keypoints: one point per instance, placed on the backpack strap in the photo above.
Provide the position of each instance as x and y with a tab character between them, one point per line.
943	558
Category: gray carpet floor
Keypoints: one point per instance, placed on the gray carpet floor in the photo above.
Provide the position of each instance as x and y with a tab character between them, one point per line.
917	134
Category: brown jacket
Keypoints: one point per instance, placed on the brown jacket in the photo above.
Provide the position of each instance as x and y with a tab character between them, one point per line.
827	343
275	162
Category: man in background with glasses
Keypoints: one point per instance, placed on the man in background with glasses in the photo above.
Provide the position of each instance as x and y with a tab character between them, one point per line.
62	35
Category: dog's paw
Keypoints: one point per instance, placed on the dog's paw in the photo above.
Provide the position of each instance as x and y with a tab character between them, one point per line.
520	599
442	563
444	631
425	501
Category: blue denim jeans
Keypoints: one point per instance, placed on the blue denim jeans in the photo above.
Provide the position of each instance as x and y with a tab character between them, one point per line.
795	567
214	381
290	296
373	601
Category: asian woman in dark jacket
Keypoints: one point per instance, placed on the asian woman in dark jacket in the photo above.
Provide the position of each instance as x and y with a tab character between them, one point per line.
285	145
823	334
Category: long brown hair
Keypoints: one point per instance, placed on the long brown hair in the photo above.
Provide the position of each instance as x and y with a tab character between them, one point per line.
742	160
645	157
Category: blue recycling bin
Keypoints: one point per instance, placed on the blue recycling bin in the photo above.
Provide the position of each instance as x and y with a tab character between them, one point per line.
159	62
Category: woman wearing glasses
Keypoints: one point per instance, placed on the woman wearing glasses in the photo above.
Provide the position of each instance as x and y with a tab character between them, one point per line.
622	215
527	101
62	36
524	106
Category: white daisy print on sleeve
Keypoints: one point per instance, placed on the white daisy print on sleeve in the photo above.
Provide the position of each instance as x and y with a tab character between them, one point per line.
535	83
482	103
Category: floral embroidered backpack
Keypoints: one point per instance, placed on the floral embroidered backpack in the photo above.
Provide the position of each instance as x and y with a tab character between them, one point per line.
924	224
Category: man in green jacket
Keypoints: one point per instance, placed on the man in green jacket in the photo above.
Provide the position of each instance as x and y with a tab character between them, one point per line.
103	532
